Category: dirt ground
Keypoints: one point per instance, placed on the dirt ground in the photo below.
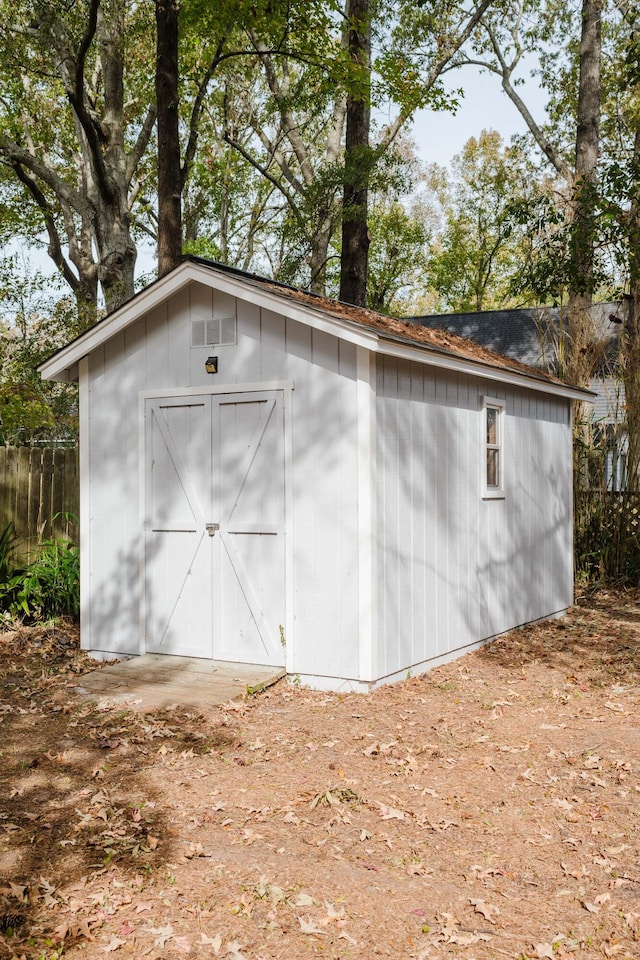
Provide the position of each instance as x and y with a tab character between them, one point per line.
487	809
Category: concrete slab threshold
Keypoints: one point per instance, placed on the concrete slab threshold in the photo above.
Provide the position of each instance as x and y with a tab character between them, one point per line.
155	681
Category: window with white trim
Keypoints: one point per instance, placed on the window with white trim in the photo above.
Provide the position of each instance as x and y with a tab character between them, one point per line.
493	446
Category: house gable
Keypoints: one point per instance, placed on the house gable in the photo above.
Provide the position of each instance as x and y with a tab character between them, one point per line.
355	325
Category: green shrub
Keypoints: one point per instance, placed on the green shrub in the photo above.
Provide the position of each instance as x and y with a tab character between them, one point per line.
9	571
48	587
7	552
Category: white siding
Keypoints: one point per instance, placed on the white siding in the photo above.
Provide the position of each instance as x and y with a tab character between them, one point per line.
155	354
609	404
454	569
450	568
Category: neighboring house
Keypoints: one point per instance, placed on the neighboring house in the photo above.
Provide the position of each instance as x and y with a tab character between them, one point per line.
532	335
273	477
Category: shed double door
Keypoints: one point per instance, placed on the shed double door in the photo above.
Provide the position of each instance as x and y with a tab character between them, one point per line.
214	526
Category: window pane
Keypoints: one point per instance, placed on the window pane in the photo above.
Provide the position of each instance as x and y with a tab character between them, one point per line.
492	425
493	468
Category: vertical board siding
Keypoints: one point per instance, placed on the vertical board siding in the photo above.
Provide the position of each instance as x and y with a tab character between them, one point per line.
39	494
450	568
325	505
466	568
156	354
114	562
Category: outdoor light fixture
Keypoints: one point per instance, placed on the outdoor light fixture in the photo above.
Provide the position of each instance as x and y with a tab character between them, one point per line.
211	365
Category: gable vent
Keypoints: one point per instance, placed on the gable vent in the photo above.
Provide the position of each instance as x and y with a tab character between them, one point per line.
213	332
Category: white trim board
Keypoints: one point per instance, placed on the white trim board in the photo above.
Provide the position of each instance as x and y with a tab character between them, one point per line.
367	604
284	385
407	351
353	685
84	408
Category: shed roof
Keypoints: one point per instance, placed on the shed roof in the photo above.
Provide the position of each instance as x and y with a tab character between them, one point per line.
381	334
530	334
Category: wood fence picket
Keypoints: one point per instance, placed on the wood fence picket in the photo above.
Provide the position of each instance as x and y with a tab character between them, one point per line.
39	494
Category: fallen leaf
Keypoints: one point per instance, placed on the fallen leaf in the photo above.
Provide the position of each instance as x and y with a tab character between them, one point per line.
308	926
467	939
183	944
164	934
343	935
234	950
591	907
18	891
195	850
616	851
485	910
215	942
390	813
270	891
593	762
544	950
74	929
114	944
143	905
333	913
303	899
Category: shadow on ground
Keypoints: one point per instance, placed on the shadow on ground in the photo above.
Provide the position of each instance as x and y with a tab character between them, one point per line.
75	804
606	637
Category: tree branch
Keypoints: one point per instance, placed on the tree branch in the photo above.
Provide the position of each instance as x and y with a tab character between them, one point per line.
437	69
289	125
504	71
75	95
265	173
55	248
141	144
218	58
196	110
15	154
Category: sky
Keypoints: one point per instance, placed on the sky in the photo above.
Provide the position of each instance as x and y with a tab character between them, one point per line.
440	136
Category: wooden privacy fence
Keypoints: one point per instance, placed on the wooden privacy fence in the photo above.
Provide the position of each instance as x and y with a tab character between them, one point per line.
39	494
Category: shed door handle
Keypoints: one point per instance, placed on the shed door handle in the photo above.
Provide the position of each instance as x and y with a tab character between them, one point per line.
211	528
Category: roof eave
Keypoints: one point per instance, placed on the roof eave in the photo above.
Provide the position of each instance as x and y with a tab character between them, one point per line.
59	365
434	356
63	364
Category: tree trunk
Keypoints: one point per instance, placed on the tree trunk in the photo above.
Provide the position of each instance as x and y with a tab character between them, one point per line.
581	333
169	167
580	324
355	232
631	367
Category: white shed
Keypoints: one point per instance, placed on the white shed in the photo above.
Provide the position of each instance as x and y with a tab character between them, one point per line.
271	477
